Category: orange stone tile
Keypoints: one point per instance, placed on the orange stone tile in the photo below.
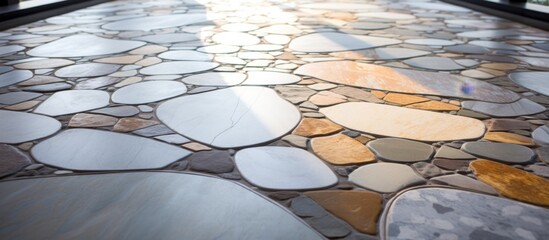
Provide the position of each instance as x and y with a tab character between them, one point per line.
403	99
506	137
131	124
313	127
341	150
434	106
378	94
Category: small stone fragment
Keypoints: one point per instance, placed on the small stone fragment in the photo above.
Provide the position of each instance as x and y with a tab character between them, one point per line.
132	124
312	127
213	161
91	120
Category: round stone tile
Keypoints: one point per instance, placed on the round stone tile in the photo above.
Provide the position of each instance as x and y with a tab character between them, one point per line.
147	92
235	39
401	150
87	70
13	77
83	45
385	177
535	81
178	67
215	79
503	152
18	127
156	22
185	55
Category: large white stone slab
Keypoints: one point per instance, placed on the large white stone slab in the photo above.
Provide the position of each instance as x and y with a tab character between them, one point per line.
18	127
335	41
392	121
149	91
157	22
225	118
73	101
178	67
83	45
283	168
95	150
142	205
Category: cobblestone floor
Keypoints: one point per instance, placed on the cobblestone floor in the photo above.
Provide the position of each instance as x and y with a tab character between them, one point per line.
274	120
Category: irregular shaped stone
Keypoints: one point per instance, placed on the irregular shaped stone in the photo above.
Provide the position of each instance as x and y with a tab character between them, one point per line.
235	39
283	168
18	127
152	131
451	164
540	170
513	183
83	45
226	116
327	98
93	150
87	70
427	170
185	55
541	135
356	94
381	54
11	98
213	161
401	122
360	209
10	49
521	107
215	79
385	177
132	124
12	160
340	6
452	153
157	22
535	81
534	61
149	49
341	150
503	152
497	45
50	87
207	217
197	147
38	80
434	63
334	41
91	120
437	6
218	49
173	138
464	182
312	127
13	77
467	48
149	91
178	67
96	83
121	111
73	101
305	207
295	140
401	150
168	38
506	125
270	78
405	81
455	214
403	99
329	226
434	106
44	63
506	137
23	106
126	59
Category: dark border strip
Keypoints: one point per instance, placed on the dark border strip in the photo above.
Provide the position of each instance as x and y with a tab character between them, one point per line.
31	11
531	14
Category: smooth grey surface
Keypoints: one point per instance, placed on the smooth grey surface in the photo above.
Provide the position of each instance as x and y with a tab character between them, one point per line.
185	55
12	160
215	79
535	61
156	22
385	177
50	87
145	205
456	214
434	63
270	78
83	45
73	101
521	107
283	168
120	111
401	150
225	118
90	150
10	49
18	127
397	53
87	70
17	97
178	67
460	181
452	153
436	6
168	38
13	77
430	42
541	135
535	81
502	152
148	91
490	33
335	41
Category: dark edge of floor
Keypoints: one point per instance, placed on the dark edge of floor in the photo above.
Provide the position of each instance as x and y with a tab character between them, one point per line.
538	18
12	17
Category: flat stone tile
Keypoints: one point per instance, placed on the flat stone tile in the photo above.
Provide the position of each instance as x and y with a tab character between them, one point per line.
178	67
10	49
87	70
521	107
434	63
506	137
333	42
13	77
44	63
156	22
340	149
83	45
452	153
503	152
120	111
73	101
168	38
430	42
541	135
401	150
270	78
235	39
465	183
11	98
535	81
12	160
215	79
149	91
185	55
390	53
91	120
385	177
312	127
18	127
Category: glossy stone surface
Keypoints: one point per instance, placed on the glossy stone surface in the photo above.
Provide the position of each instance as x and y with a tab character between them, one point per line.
17	97
252	216
18	127
92	150
215	79
385	177
235	39
223	118
461	214
270	78
341	150
312	127
83	45
87	70
434	63
283	168
521	107
12	160
406	123
178	67
404	80
73	101
185	55
156	22
401	150
333	42
513	183
535	81
168	38
389	53
121	111
503	152
452	153
13	77
150	91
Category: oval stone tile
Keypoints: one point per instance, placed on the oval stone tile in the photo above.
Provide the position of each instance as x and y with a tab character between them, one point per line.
235	39
405	81
83	45
13	77
541	135
456	214
178	67
340	149
385	177
215	79
149	91
87	70
18	127
156	22
283	168
434	63
401	150
401	122
12	160
224	118
185	55
460	181
11	98
512	182
535	81
521	107
335	41
503	152
270	78
6	50
168	38
430	42
73	101
130	201
340	6
94	150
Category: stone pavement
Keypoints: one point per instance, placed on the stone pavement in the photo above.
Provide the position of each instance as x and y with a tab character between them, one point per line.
274	120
